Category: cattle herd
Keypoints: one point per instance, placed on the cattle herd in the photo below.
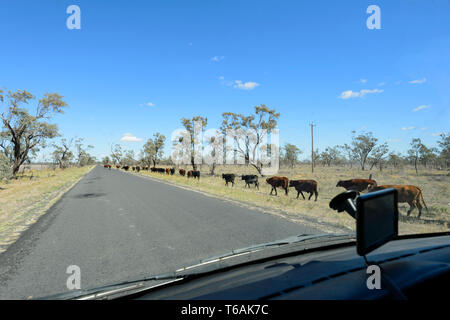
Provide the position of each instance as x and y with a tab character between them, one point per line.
406	193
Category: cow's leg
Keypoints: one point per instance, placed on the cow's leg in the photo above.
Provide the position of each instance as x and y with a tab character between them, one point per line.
298	193
411	207
301	192
316	195
271	190
310	195
286	190
257	185
419	207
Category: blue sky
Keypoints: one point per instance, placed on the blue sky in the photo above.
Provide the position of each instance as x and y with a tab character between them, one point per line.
137	67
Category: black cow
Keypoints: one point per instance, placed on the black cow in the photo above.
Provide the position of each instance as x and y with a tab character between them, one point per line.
250	179
126	168
229	177
194	174
309	186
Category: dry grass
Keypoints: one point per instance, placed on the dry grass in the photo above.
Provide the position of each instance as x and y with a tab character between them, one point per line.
24	200
434	184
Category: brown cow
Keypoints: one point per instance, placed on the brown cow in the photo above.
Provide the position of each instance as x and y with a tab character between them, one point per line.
168	170
182	172
359	185
412	195
309	186
118	167
275	182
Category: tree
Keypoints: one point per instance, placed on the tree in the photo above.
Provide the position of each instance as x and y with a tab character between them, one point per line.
249	132
5	167
128	158
106	160
116	154
330	155
349	153
444	145
362	145
378	154
291	153
153	149
62	154
83	158
395	159
415	151
189	125
24	132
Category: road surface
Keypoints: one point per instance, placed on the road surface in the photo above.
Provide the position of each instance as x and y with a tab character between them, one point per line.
116	226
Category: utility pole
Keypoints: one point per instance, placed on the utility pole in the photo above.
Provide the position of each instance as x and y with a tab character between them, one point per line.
312	146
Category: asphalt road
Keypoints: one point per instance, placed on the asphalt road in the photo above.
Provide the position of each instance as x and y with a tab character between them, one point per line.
117	226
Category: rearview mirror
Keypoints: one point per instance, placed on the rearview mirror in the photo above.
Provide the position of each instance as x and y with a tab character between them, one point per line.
376	220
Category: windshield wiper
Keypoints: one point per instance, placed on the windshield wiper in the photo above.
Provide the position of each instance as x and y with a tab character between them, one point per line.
262	246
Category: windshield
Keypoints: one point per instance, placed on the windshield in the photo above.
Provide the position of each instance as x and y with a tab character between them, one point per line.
140	138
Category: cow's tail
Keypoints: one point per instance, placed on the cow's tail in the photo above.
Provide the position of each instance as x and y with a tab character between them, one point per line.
423	201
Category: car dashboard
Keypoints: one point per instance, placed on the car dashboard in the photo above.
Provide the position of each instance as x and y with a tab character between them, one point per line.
419	267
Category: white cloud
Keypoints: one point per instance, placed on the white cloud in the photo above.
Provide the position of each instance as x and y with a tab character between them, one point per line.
421	107
437	134
245	85
217	58
424	128
358	94
221	77
408	128
393	140
363	80
128	137
382	84
418	81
